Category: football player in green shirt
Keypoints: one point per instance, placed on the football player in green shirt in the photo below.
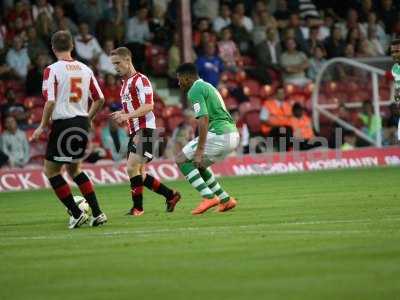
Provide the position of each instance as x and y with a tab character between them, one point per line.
218	136
395	51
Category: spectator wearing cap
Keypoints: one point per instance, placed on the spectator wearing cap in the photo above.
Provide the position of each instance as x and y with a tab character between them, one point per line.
14	144
210	65
294	64
18	60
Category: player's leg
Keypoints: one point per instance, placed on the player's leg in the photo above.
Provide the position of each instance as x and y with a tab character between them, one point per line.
86	187
63	192
192	174
172	197
218	147
134	170
213	184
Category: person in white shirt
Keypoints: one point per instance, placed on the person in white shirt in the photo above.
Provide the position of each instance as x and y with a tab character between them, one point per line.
137	28
42	6
87	47
14	144
105	65
67	87
17	59
224	19
246	21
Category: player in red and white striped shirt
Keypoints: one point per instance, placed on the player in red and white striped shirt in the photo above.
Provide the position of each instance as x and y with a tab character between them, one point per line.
137	101
67	87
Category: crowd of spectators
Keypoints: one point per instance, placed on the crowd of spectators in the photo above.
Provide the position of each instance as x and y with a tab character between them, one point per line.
278	44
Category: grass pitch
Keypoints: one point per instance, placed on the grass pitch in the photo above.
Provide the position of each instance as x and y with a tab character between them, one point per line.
322	235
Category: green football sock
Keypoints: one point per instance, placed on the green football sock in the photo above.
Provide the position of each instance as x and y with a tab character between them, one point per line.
192	174
213	184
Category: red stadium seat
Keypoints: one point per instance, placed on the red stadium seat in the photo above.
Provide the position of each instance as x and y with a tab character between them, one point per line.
244	108
159	64
231	103
226	76
255	102
35	115
31	102
171	111
266	91
251	87
252	119
174	122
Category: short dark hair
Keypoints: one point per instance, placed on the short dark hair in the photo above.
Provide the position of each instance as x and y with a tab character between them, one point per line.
61	41
187	69
122	51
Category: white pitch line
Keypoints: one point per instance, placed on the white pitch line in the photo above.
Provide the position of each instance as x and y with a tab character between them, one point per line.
217	229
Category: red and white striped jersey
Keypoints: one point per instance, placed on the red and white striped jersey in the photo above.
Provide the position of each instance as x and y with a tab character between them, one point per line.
70	83
135	92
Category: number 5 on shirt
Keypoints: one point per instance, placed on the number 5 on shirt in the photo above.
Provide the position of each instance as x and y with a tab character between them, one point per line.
76	89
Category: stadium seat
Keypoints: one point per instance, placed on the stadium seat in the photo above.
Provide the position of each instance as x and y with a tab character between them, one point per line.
251	87
171	111
35	115
240	76
266	91
252	119
226	76
31	102
255	102
231	103
174	121
159	64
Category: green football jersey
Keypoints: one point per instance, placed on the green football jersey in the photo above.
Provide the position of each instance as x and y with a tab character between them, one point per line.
396	75
206	100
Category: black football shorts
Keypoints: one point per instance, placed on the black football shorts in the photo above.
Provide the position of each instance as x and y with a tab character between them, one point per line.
68	140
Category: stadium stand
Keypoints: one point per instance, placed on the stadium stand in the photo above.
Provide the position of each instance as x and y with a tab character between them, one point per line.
253	68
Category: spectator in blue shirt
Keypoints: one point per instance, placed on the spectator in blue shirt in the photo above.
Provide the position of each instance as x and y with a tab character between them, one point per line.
210	65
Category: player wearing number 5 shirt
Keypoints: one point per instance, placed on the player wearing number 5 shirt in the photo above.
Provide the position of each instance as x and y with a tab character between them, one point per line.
67	87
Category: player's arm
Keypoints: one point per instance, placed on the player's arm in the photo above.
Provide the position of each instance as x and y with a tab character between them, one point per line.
201	113
49	93
145	94
97	96
203	130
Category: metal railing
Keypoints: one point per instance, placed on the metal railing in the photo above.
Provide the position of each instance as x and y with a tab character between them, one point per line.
322	109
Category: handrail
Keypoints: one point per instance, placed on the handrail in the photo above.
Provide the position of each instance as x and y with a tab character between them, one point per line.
376	102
